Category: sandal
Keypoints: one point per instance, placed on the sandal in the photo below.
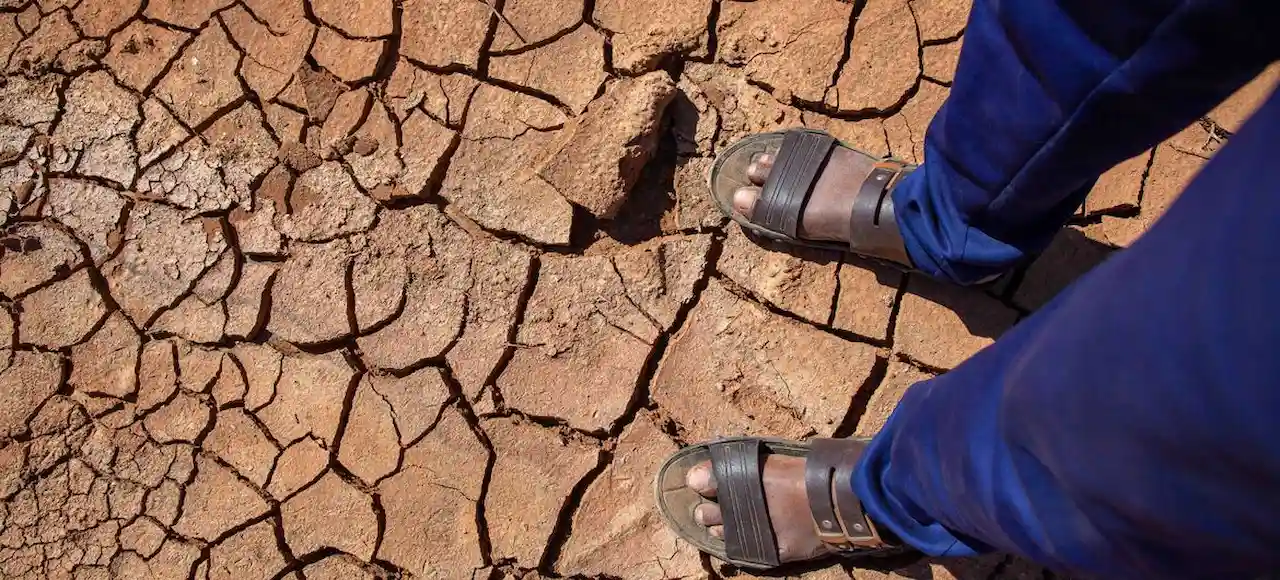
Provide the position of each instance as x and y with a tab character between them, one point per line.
800	155
749	540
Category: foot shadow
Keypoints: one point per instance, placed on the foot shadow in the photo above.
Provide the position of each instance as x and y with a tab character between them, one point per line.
886	273
1069	256
988	567
653	196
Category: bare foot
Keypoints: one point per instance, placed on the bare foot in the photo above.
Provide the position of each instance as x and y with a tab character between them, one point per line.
785	496
826	215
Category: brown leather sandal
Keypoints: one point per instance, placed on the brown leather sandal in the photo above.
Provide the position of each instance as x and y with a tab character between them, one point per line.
748	540
799	158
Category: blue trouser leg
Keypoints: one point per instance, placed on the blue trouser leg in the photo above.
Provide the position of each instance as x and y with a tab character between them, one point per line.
1049	95
1130	428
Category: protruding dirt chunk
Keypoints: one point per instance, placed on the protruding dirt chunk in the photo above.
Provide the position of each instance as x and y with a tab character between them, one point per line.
641	41
442	33
616	530
790	46
737	368
157	374
203	78
160	260
534	471
40	51
941	325
140	51
29	379
309	297
251	554
694	209
308	398
603	151
243	146
320	91
216	502
261	366
430	503
571	69
375	156
330	514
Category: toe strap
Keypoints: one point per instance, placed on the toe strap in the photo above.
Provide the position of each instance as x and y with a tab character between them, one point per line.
800	161
828	479
748	531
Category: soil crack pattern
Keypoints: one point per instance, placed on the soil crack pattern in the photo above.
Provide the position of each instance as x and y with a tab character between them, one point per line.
428	288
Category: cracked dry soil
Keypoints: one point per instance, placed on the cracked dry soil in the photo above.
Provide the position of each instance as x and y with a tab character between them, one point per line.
425	288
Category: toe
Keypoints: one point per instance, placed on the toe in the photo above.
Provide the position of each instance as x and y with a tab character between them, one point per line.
716	531
700	479
744	200
708	514
759	169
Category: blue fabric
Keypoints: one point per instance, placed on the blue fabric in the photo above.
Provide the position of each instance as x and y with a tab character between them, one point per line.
1131	427
1042	104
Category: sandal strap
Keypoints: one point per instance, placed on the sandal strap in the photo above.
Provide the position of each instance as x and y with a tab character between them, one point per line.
873	226
837	511
748	532
800	161
796	168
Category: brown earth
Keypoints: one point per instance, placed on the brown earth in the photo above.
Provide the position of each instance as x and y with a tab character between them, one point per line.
320	289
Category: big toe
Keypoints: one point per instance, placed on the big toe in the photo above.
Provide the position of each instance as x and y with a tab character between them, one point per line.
699	478
744	200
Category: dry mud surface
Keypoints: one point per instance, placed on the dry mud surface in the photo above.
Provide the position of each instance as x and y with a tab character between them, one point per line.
424	288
